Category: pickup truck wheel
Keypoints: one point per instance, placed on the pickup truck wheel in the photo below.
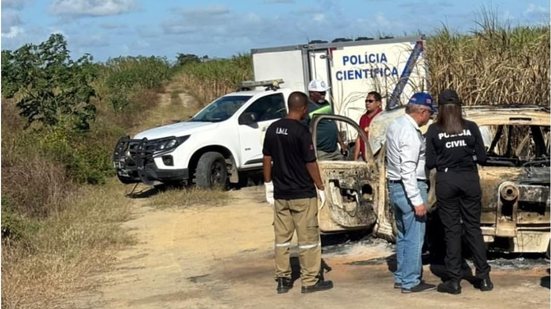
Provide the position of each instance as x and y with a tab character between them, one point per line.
211	171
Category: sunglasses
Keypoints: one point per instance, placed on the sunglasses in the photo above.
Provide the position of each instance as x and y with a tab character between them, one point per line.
322	92
370	101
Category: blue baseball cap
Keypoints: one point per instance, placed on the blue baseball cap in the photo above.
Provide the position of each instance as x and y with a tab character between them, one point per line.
424	99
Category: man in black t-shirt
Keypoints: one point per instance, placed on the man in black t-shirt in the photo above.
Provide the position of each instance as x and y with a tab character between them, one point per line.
295	175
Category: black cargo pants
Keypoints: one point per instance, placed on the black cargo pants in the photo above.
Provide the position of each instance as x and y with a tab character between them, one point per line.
459	202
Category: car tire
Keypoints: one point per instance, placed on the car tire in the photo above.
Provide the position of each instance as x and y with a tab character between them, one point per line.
211	171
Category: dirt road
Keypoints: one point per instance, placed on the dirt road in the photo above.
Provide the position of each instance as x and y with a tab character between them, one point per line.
221	257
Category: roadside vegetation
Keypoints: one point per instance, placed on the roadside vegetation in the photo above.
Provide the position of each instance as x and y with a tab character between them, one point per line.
495	64
62	207
208	80
172	197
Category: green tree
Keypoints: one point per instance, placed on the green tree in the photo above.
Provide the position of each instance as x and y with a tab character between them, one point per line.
183	59
49	87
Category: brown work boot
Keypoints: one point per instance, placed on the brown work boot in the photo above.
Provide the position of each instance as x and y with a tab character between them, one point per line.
321	285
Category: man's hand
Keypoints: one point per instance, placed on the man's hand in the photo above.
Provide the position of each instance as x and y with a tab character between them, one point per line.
344	149
321	194
269	192
420	210
344	152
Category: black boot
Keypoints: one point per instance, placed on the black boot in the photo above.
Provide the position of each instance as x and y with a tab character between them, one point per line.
283	285
485	284
321	285
450	286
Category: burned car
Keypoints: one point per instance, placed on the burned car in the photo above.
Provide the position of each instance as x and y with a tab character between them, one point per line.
515	180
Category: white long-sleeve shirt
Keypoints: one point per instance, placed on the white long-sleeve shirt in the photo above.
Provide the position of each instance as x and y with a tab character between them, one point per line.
405	156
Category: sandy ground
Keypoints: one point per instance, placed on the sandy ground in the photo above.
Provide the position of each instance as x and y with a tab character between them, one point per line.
221	257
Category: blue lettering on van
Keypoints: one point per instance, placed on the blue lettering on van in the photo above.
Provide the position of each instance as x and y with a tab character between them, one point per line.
366	73
364	59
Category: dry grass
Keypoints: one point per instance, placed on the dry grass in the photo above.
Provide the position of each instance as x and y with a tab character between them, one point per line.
170	106
33	184
496	64
208	80
66	249
178	198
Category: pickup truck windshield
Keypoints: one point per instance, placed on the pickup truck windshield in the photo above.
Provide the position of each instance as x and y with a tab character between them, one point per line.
221	109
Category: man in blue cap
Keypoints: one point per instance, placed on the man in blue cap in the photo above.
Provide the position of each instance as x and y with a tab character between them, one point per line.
407	187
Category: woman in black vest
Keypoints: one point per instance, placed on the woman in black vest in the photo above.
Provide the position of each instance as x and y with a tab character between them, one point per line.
454	147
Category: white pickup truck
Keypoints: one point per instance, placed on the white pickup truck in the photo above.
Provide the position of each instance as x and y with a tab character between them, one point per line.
224	140
221	143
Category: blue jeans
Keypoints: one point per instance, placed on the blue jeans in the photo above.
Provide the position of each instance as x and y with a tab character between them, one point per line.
410	235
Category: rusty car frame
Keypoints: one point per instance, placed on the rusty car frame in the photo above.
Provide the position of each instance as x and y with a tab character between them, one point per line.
515	180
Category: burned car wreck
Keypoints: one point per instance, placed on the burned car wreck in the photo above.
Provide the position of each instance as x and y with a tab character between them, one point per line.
515	180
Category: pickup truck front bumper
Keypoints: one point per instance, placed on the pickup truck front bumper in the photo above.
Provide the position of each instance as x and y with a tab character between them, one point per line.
134	163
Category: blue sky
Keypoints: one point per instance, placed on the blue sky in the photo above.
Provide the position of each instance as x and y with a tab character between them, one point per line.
111	28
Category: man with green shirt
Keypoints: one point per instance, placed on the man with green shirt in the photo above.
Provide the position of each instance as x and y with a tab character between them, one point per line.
327	136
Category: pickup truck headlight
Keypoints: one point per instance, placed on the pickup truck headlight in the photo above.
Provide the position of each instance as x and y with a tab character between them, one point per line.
170	143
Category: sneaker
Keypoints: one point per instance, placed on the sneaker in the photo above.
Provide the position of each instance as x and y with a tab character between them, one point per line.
398	285
450	286
422	286
283	285
321	285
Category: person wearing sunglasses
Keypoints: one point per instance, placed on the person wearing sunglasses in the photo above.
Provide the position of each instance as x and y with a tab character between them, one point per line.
373	103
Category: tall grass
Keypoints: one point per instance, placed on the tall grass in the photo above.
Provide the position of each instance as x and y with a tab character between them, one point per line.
60	253
495	64
33	184
211	79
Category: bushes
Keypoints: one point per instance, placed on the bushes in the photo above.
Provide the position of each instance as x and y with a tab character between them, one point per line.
33	183
48	86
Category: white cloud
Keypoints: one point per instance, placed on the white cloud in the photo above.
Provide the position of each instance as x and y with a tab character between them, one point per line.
535	14
11	24
535	9
10	18
206	19
278	1
13	4
92	7
12	33
207	12
382	22
319	17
